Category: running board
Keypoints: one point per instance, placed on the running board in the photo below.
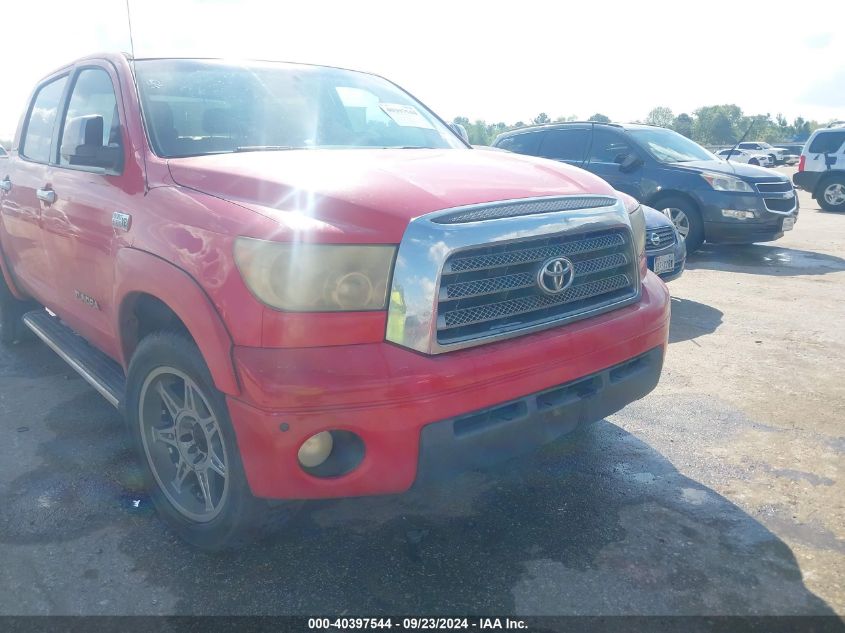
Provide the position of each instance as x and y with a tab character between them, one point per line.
98	370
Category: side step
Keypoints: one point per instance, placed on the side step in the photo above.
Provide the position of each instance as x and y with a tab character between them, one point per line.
98	370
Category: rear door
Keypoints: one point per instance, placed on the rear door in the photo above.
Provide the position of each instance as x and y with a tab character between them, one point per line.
26	190
825	151
567	144
608	149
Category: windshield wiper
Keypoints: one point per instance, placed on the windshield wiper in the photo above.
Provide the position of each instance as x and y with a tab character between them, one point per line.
265	148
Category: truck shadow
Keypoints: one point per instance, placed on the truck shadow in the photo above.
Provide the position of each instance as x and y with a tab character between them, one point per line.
691	319
763	260
599	523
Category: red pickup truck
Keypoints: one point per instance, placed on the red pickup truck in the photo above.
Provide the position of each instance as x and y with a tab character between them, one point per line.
298	282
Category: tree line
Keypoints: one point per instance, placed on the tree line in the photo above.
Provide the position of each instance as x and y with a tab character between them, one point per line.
708	125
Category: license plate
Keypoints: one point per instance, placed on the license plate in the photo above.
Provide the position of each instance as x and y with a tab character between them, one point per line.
788	223
664	263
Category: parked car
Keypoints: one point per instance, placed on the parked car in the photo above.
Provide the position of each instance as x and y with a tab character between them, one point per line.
666	253
298	282
707	198
746	156
777	154
3	152
821	169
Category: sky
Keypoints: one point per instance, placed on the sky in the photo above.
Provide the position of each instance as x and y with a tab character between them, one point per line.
495	60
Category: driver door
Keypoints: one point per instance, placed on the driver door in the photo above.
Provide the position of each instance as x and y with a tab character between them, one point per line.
608	150
79	234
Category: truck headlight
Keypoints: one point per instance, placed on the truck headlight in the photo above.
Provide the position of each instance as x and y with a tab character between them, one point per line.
316	277
638	229
720	182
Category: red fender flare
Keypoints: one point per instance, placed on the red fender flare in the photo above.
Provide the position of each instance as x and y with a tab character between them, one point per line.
139	272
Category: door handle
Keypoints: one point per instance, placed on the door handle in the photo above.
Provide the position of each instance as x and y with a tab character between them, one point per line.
46	195
6	184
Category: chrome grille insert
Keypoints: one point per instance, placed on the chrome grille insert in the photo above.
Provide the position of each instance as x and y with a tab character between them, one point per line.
493	285
492	289
665	237
514	307
459	281
522	256
773	187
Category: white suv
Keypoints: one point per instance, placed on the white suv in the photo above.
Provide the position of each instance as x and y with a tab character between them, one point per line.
821	170
777	154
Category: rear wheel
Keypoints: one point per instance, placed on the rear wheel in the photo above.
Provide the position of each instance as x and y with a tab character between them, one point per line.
832	194
686	218
187	447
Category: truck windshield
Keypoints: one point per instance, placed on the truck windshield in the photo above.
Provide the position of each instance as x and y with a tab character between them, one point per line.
670	147
197	107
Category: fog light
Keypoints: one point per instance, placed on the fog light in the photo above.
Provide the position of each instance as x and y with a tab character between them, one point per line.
738	214
316	449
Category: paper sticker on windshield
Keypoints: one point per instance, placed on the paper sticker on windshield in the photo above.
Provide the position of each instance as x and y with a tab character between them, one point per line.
405	115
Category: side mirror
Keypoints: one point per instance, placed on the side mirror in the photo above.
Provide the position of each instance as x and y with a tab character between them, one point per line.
82	145
460	130
629	162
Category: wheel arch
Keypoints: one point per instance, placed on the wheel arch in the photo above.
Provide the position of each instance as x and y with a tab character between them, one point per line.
654	200
824	179
153	294
6	277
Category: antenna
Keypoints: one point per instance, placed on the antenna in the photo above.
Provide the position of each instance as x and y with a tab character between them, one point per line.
728	159
137	91
131	41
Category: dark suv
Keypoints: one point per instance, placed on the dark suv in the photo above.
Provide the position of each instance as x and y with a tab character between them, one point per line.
706	197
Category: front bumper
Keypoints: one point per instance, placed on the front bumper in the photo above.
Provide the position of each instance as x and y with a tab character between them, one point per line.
388	395
765	227
495	434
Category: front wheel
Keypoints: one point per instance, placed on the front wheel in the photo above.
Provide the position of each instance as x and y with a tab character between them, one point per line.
686	218
832	195
187	446
754	161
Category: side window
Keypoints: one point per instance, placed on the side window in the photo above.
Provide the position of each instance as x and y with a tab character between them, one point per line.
521	143
608	146
827	143
570	144
38	134
91	129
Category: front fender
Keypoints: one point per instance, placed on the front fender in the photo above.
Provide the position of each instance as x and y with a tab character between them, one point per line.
139	272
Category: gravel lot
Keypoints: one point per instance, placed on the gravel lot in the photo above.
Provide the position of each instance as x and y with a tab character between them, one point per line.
721	492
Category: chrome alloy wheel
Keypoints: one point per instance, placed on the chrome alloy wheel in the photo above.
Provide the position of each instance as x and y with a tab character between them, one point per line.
183	444
679	219
834	194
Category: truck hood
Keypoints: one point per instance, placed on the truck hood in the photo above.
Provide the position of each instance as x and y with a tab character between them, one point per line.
732	168
363	195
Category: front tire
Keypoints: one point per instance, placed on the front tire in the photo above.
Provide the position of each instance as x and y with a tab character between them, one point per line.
686	218
754	161
185	442
832	194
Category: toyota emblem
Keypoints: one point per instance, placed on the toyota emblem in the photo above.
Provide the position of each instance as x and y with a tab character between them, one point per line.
555	275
